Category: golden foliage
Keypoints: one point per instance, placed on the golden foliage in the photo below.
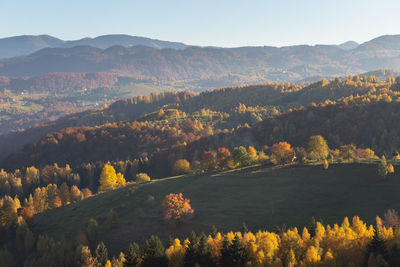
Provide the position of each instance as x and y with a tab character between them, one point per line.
109	179
181	166
142	177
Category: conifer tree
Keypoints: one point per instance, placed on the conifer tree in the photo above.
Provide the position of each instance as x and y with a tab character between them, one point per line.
92	231
214	231
240	156
244	228
154	253
383	167
233	254
377	246
204	252
132	257
101	253
312	226
190	254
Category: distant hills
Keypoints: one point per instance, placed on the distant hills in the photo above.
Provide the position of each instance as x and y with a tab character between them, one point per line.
27	44
349	45
163	61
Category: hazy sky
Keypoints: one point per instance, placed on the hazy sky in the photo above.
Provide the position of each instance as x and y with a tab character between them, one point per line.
206	22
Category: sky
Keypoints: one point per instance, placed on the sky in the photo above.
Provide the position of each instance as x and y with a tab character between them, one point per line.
206	22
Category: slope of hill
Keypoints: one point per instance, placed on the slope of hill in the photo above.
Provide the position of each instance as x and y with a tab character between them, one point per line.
27	44
261	197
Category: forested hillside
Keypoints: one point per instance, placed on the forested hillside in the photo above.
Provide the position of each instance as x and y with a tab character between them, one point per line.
350	111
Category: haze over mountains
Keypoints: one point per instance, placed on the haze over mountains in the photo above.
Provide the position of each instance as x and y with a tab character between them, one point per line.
140	57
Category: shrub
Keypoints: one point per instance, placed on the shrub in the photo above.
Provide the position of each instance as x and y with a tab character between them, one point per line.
142	177
181	166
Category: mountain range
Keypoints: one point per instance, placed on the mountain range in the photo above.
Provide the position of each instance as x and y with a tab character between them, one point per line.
265	64
27	44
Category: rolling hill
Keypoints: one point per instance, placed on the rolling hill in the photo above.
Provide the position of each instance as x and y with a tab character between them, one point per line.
263	197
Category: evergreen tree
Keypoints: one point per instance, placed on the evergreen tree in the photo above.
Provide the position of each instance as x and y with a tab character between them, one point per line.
214	231
234	254
101	254
190	253
377	247
204	252
244	228
240	156
92	231
132	257
312	226
383	167
154	253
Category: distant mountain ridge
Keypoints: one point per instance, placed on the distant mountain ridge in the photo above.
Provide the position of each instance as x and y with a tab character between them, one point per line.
289	63
349	45
27	44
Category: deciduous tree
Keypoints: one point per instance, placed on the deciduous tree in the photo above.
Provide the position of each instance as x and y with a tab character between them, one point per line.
317	147
176	207
282	152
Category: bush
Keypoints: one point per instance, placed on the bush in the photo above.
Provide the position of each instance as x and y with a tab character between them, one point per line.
181	166
142	177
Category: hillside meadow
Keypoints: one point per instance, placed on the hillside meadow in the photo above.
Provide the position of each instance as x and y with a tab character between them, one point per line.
267	198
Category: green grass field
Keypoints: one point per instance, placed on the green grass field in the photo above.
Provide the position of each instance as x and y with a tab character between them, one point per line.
262	197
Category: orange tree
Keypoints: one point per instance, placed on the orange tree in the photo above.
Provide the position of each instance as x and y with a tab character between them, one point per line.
282	152
176	207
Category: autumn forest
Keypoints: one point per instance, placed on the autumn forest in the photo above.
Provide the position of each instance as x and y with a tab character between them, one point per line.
258	141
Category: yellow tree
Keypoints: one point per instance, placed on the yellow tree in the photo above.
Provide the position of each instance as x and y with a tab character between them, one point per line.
326	164
317	147
252	152
181	166
108	178
120	180
312	255
8	210
176	254
390	168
